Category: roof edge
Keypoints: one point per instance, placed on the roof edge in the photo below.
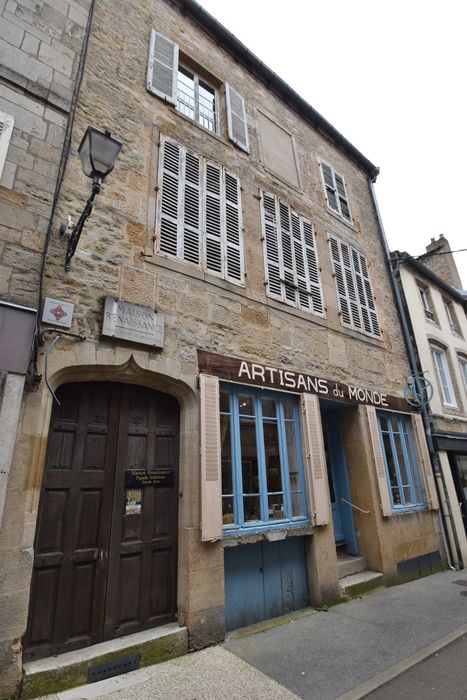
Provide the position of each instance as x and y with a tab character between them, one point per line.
402	256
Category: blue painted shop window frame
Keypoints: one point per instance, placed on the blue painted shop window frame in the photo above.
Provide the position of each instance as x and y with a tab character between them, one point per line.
239	525
409	455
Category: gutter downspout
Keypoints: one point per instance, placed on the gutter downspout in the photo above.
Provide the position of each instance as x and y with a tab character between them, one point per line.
445	520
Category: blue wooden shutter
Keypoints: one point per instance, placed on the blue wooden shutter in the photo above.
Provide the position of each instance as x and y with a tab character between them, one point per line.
236	118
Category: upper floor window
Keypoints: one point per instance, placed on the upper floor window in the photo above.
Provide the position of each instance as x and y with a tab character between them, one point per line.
262	465
199	213
354	292
444	377
290	256
451	315
336	192
192	93
400	461
6	129
426	302
463	368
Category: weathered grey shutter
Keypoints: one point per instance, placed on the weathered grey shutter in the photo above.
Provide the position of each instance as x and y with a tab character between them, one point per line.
312	264
329	187
6	129
213	218
370	302
286	248
271	245
344	302
342	194
367	325
191	208
379	460
170	184
350	284
315	461
211	485
236	118
423	457
233	229
162	67
304	300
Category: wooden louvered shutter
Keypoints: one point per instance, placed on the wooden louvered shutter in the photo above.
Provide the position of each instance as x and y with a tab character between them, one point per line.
233	229
191	208
271	245
213	218
329	186
236	118
315	461
378	460
367	325
370	302
287	252
315	290
6	129
350	284
344	303
170	184
342	194
211	484
423	458
162	67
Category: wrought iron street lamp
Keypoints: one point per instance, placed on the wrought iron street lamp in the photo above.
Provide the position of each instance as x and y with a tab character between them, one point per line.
98	152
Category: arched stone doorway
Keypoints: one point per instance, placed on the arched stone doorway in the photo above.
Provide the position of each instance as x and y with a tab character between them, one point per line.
106	539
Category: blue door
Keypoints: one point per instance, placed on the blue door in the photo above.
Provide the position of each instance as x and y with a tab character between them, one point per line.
264	580
342	516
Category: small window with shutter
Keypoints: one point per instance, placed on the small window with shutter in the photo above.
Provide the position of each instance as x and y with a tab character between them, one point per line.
354	291
199	213
336	191
6	129
290	256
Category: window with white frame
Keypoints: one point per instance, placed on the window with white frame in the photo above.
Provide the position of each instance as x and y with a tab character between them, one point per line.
444	377
6	130
463	368
262	465
290	256
174	79
451	315
400	461
426	302
354	291
199	213
336	191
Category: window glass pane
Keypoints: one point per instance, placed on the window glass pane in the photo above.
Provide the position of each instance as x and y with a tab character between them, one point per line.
227	510
251	508
272	457
246	405
297	510
226	455
292	457
186	92
384	423
207	106
269	408
408	498
288	408
390	460
401	460
224	402
276	507
250	476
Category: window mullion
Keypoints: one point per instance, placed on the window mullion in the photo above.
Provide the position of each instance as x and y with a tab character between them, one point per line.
196	88
396	462
301	469
408	462
263	488
284	461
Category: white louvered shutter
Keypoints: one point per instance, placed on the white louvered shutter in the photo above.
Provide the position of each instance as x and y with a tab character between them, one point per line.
350	284
312	264
300	267
342	194
329	186
287	254
271	245
191	236
211	484
236	118
344	302
6	129
370	302
233	229
163	67
170	183
378	457
213	218
315	461
423	457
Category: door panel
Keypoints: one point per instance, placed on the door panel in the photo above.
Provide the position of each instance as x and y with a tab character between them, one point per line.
93	568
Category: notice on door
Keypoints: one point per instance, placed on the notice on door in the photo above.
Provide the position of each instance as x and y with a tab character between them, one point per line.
160	478
133	501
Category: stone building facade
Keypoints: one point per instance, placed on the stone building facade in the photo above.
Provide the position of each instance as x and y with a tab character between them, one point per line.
233	414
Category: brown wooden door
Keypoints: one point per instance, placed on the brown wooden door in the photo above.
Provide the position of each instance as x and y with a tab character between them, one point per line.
105	550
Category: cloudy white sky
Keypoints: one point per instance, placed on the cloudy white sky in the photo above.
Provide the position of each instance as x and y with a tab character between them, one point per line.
391	75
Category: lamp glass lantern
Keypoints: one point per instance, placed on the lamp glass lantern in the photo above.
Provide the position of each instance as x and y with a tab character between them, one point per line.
98	152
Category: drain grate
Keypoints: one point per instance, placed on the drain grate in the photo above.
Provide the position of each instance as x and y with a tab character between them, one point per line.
113	668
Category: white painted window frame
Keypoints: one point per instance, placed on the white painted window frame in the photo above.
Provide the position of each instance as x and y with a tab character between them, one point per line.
463	369
425	301
443	374
6	129
451	314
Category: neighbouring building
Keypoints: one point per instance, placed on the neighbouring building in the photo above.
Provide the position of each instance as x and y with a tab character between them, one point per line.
438	327
230	410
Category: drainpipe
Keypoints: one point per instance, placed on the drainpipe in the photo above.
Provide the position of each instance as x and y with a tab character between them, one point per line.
446	519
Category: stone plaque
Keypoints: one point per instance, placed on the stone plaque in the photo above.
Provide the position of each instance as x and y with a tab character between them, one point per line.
58	312
138	324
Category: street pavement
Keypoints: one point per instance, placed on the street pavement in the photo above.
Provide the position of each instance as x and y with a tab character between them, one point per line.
355	649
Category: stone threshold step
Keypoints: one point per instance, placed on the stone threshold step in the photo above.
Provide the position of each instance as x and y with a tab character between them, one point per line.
69	670
348	564
362	582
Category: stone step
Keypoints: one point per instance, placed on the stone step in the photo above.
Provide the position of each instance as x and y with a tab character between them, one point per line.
357	584
71	669
348	564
